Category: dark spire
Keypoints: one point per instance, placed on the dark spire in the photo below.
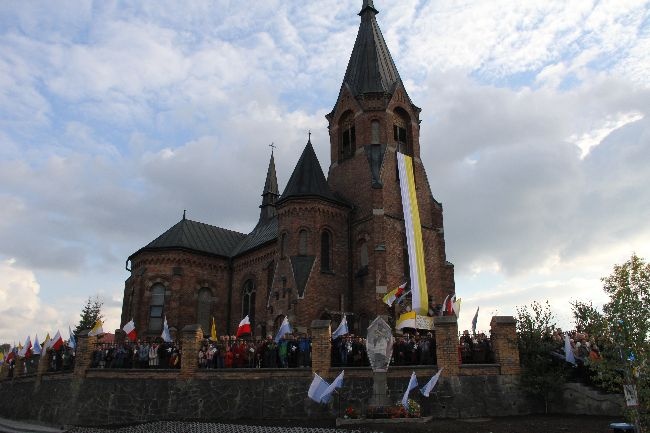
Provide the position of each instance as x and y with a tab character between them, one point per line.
307	179
270	193
367	4
371	68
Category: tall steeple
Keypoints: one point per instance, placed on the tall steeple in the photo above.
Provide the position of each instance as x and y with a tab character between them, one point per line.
371	68
270	194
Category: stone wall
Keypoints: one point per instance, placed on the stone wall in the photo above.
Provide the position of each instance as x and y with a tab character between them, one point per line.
105	397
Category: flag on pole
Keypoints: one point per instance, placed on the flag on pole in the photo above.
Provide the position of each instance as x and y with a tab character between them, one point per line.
36	349
342	328
11	355
166	336
474	321
413	383
130	331
25	350
56	342
413	229
2	358
213	331
391	296
245	327
401	298
444	305
317	388
338	383
97	329
72	341
568	351
285	328
426	389
456	306
46	343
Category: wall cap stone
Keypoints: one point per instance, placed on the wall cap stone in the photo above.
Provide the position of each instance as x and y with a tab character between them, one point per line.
503	320
320	323
442	320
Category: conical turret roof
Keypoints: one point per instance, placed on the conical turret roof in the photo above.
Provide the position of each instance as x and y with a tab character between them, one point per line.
307	179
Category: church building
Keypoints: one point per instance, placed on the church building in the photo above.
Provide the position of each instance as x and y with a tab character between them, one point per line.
325	246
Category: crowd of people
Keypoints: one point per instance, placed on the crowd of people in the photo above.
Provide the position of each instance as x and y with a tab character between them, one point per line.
585	351
140	354
412	349
475	348
232	352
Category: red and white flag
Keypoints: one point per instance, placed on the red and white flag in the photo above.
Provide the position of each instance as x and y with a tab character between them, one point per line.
57	341
129	328
244	327
26	350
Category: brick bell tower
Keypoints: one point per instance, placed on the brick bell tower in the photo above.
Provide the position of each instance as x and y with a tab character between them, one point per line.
372	120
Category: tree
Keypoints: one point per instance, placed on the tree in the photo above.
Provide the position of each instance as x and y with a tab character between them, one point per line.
622	331
540	374
91	312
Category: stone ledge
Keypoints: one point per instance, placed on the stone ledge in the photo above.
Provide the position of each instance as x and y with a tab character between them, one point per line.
363	421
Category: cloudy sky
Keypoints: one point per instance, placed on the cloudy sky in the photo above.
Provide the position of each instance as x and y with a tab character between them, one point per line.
116	116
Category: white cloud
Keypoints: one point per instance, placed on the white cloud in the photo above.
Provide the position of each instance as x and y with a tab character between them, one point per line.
23	314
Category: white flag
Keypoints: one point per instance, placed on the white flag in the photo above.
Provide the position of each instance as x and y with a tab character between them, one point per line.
342	329
166	336
317	388
338	383
426	389
285	328
36	349
568	351
413	383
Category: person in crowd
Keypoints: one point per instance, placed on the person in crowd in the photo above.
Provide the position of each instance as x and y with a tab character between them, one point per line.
153	355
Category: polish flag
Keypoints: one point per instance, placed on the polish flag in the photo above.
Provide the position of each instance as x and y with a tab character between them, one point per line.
129	328
57	341
244	327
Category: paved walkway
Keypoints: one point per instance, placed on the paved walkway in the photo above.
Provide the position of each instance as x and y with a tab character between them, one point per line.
11	426
200	427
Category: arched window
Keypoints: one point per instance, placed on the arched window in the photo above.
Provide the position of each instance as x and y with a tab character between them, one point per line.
156	307
401	122
248	301
348	135
363	253
325	251
204	300
283	246
303	238
374	132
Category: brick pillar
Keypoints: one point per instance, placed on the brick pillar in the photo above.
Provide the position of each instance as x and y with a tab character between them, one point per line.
120	336
446	328
43	364
19	367
321	346
503	335
191	337
84	353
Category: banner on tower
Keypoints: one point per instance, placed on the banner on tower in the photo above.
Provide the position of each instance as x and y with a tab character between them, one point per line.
415	246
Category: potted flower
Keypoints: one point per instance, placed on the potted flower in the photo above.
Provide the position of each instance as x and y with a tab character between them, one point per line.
350	412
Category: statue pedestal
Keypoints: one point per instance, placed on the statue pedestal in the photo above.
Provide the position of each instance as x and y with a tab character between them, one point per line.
379	390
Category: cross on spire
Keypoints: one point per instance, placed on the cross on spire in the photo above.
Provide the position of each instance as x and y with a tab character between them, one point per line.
272	146
309	139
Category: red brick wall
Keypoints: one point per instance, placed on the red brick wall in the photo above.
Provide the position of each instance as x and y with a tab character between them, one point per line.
181	297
